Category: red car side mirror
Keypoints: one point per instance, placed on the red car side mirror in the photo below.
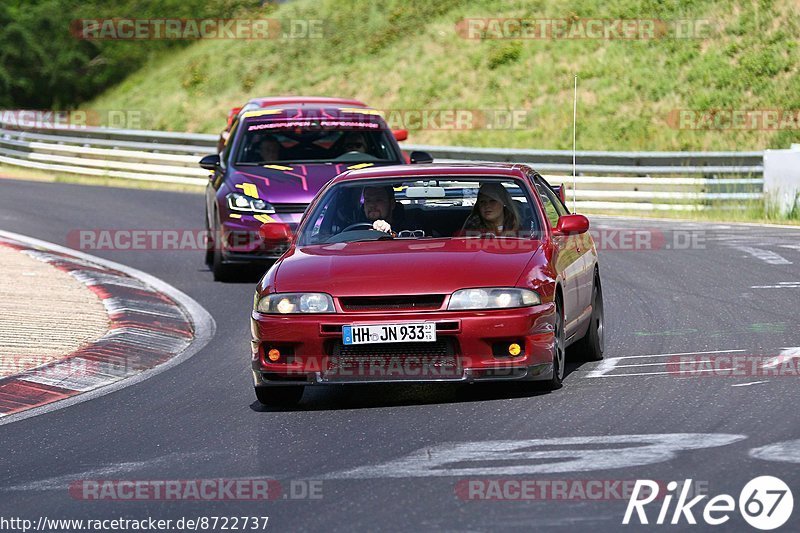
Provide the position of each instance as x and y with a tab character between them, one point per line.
571	225
400	135
275	232
232	114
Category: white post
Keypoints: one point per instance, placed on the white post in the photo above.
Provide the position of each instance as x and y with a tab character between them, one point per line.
782	179
574	140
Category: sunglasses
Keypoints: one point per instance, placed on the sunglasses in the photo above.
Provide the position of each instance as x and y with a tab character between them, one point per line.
408	233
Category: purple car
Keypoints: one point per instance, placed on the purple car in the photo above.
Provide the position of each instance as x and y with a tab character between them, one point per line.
272	165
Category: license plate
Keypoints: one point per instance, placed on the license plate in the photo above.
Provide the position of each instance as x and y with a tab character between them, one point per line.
381	333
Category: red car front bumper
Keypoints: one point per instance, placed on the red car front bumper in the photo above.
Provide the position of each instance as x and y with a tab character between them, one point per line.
470	346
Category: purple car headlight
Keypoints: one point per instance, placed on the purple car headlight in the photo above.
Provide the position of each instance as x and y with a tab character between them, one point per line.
244	204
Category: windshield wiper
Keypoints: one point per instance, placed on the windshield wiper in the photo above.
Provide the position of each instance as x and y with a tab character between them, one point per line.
381	238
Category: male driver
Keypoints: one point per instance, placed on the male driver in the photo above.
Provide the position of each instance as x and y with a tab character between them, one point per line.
355	142
380	209
266	150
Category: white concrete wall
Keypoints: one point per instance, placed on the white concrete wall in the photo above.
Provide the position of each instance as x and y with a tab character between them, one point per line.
782	178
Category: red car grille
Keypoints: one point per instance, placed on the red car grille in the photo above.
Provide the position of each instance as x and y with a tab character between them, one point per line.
395	361
440	347
424	302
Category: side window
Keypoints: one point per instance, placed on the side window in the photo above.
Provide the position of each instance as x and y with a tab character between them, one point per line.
317	225
556	200
226	152
552	207
559	203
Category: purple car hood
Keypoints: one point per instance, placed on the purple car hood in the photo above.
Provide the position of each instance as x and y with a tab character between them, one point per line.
285	184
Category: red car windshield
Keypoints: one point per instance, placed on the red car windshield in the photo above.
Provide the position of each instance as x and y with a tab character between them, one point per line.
446	207
260	146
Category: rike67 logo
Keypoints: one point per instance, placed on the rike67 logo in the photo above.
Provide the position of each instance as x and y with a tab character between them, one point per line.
765	503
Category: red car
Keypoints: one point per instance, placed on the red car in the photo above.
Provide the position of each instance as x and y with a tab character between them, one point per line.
437	272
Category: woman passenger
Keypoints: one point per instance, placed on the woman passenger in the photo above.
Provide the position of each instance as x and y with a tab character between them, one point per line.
494	212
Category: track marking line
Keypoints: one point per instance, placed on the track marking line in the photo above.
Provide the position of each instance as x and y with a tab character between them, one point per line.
671	354
607	365
768	256
538	456
657	364
780	285
787	451
748	384
667	373
785	355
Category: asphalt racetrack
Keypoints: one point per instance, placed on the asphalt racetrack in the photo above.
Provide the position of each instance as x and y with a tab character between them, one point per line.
439	458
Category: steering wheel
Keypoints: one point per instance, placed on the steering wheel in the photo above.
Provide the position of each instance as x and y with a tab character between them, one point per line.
368	225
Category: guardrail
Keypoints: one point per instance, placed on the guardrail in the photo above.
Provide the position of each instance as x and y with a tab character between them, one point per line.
606	180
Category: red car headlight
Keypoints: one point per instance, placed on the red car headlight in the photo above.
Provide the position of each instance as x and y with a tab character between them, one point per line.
492	298
288	303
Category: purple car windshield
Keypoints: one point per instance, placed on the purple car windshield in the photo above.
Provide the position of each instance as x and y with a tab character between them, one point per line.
262	146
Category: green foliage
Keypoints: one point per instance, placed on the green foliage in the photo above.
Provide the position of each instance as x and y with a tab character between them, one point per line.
409	54
504	54
43	64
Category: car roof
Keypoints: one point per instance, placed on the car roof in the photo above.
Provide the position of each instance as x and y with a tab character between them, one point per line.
304	101
291	112
515	170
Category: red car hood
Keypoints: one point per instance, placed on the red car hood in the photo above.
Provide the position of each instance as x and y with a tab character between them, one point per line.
437	266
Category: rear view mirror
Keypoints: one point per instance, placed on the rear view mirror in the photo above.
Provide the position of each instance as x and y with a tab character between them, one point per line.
420	157
425	192
572	225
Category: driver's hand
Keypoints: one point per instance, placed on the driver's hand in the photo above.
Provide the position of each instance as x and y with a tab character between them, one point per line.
382	225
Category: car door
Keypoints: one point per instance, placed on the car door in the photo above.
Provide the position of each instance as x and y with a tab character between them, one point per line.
216	178
584	264
567	259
